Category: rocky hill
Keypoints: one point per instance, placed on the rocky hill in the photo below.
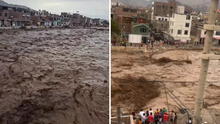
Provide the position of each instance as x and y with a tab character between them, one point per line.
3	3
201	5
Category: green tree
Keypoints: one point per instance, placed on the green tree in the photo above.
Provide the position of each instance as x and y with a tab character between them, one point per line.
115	28
115	32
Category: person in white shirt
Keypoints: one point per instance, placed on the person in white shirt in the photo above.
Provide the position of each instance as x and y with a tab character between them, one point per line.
143	116
141	113
151	111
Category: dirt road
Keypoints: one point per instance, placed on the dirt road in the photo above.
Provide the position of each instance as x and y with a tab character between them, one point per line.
54	76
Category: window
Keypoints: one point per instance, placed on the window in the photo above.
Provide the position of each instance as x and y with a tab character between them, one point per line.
188	17
125	9
159	19
179	32
6	14
187	25
171	31
186	32
143	30
165	19
133	10
217	33
144	39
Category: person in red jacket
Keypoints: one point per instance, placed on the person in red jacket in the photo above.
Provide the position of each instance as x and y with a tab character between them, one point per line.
151	118
165	118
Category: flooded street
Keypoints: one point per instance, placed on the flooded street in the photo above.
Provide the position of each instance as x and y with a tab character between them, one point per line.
55	76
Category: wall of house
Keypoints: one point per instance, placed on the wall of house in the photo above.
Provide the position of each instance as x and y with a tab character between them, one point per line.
18	17
120	10
180	9
216	37
180	27
160	25
141	29
161	12
165	9
162	18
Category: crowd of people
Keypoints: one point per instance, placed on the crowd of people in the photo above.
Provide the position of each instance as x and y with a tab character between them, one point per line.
159	116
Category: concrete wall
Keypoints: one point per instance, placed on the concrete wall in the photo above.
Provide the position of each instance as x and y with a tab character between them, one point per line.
180	9
178	27
141	29
203	34
161	18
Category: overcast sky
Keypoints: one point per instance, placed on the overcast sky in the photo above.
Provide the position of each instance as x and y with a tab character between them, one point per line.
91	8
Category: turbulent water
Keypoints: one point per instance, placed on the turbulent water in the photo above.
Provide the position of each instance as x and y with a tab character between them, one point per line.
136	76
54	77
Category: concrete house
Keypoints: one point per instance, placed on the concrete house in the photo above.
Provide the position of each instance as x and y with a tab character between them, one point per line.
65	19
180	27
161	12
140	31
124	16
14	15
216	37
56	20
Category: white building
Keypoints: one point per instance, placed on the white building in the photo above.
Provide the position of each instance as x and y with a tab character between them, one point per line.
161	18
216	37
216	34
180	27
180	9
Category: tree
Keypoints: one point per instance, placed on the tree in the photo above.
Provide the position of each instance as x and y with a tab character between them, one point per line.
115	28
115	32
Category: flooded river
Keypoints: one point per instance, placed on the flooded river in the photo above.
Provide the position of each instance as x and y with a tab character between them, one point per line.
55	76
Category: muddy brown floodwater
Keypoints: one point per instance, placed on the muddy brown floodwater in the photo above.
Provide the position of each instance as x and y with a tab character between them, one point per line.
138	79
55	76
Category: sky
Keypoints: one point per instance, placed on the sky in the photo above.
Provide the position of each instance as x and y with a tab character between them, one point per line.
90	8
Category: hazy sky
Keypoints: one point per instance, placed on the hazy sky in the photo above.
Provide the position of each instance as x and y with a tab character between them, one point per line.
91	8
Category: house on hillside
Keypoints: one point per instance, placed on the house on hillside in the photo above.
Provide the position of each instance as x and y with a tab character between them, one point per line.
10	18
161	12
56	20
88	21
97	22
14	15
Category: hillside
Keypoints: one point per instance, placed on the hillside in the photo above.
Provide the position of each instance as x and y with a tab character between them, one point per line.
201	5
3	3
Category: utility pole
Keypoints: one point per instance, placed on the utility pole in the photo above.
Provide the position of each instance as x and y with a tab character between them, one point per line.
210	27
